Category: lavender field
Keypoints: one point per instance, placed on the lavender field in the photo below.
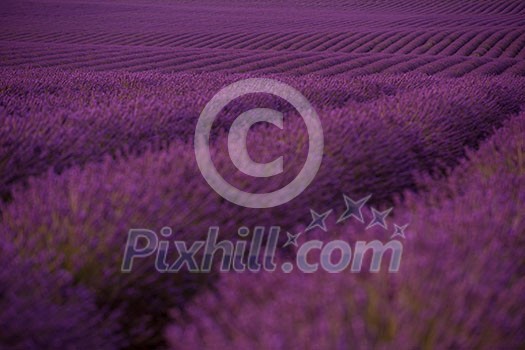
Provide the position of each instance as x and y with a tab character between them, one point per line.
422	106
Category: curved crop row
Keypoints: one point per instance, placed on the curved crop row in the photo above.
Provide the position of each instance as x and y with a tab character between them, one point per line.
80	217
74	118
504	42
460	284
268	62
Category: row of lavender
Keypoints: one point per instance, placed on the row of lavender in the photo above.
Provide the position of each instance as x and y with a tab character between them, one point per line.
65	232
482	39
269	61
54	120
461	284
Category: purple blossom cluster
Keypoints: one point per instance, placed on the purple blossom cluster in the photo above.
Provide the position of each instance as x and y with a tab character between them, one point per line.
43	307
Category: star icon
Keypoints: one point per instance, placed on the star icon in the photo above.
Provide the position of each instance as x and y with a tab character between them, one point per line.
353	208
318	220
379	218
292	239
399	231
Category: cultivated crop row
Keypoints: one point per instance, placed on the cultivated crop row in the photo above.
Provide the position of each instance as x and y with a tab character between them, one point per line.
379	131
264	61
455	288
475	41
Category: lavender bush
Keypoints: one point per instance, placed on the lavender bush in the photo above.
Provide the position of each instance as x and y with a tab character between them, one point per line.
455	288
44	307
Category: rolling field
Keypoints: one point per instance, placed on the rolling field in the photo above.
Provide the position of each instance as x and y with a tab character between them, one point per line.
354	38
422	105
